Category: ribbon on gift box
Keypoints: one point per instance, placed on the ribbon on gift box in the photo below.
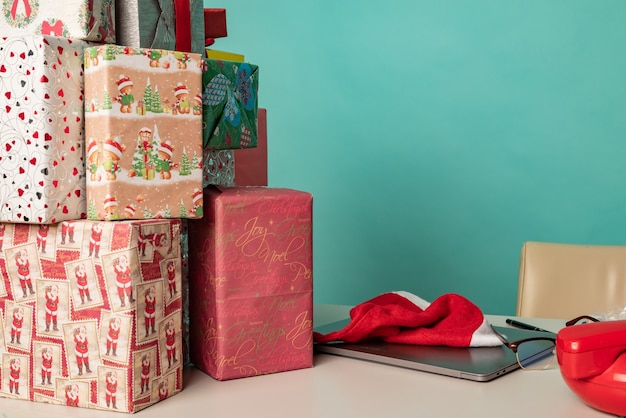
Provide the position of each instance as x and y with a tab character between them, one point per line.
174	25
27	9
214	25
182	16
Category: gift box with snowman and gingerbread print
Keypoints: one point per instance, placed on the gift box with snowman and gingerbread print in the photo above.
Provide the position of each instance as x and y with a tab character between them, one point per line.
91	313
143	133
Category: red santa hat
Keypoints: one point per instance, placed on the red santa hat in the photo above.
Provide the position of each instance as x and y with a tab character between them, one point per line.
114	146
158	240
145	130
198	98
196	195
402	317
91	148
166	147
180	89
130	210
109	201
123	81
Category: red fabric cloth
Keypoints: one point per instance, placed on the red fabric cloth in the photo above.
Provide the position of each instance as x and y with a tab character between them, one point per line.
401	317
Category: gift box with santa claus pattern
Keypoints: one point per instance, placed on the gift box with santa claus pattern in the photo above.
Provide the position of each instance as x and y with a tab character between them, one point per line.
250	282
42	170
91	20
91	313
143	133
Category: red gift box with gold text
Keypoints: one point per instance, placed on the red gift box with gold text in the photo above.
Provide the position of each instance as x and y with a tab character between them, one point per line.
91	313
250	282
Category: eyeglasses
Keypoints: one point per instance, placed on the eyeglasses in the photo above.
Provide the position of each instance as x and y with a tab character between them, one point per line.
536	353
579	320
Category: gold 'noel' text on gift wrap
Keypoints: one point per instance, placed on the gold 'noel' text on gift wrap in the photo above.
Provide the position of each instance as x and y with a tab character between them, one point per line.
254	243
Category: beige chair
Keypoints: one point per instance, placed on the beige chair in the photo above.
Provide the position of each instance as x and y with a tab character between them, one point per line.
567	280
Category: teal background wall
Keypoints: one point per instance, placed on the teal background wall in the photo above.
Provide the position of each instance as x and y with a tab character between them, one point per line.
438	136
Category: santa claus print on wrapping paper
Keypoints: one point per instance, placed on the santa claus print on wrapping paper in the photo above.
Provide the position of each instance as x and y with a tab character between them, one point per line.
68	234
123	279
47	368
52	306
23	268
162	388
72	392
144	362
95	239
170	327
42	237
16	375
121	273
84	285
18	325
172	274
81	342
154	237
115	331
111	387
149	310
72	395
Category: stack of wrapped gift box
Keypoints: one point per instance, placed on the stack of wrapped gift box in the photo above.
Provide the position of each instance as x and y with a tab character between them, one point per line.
251	255
126	250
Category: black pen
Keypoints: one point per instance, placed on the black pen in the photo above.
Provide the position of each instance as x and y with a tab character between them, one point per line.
523	325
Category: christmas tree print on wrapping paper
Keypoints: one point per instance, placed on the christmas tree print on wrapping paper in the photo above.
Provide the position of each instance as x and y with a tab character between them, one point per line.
230	105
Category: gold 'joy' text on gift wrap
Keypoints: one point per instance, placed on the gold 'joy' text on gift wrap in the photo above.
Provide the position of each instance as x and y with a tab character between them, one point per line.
143	133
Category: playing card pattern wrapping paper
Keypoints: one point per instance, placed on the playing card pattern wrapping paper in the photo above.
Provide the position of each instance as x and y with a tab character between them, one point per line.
42	170
162	24
91	313
250	281
143	133
92	20
230	104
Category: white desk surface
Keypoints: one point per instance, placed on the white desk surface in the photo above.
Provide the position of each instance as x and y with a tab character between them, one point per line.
341	387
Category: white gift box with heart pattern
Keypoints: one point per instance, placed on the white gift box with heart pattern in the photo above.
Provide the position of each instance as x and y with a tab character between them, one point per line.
42	170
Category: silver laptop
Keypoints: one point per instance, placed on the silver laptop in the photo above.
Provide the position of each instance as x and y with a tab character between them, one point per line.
480	364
